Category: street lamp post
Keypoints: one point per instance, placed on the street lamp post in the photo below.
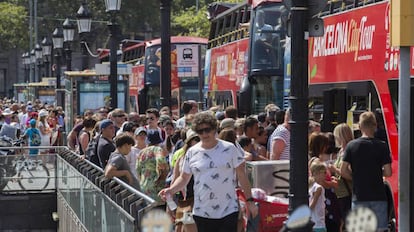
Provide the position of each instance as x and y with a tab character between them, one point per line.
47	51
57	38
68	34
33	65
39	56
26	64
165	79
84	20
113	6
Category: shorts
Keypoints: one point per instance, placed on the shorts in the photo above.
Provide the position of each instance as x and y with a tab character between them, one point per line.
380	209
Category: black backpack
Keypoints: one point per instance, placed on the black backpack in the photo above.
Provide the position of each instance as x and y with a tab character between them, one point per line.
91	151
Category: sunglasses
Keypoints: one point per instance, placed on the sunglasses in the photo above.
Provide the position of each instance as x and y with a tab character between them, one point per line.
204	130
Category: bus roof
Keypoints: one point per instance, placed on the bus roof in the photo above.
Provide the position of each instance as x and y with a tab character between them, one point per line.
255	3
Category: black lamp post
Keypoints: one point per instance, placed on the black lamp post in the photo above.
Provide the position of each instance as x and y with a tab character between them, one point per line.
113	6
39	57
68	34
47	51
165	79
26	65
57	38
33	65
84	20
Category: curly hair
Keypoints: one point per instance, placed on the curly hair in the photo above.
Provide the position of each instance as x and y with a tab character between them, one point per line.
204	118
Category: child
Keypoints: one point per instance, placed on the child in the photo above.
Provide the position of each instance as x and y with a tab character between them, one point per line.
33	135
117	164
317	196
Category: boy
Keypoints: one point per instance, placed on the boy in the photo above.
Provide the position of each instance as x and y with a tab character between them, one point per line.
317	197
117	164
33	135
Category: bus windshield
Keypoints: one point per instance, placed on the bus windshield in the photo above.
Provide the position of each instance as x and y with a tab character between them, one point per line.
268	37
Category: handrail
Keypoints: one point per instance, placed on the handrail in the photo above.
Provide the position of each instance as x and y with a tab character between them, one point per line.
119	181
124	196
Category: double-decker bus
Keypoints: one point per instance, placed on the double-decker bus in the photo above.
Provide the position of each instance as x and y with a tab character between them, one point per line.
187	60
352	69
245	64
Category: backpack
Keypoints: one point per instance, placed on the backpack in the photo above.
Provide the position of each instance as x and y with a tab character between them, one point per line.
91	151
35	138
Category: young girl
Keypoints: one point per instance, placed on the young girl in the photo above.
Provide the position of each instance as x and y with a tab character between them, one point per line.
317	196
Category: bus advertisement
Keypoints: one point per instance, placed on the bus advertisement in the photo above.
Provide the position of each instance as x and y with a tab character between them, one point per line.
187	58
352	69
246	56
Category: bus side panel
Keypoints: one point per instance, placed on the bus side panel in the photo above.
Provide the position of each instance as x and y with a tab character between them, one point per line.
228	65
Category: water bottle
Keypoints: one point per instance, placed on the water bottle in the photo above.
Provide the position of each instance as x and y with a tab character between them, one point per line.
170	202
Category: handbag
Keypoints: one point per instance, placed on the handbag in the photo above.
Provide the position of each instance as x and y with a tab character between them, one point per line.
184	212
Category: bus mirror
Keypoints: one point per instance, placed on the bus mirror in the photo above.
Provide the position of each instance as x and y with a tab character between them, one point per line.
316	27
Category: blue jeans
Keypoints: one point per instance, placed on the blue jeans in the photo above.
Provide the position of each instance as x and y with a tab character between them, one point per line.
380	209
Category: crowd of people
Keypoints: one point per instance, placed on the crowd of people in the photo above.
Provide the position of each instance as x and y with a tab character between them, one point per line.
38	123
199	159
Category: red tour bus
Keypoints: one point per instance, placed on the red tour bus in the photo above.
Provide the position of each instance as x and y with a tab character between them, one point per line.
187	58
245	58
353	68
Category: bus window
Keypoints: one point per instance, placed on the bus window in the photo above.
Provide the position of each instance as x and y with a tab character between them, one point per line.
266	90
268	38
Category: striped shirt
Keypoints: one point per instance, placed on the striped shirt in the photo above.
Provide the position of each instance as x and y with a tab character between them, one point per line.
282	133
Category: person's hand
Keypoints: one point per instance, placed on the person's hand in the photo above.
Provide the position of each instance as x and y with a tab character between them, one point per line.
253	209
163	193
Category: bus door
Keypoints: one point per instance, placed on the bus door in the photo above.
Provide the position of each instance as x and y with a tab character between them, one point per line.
334	108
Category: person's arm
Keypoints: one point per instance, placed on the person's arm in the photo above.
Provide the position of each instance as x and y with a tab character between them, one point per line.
245	185
42	128
277	149
178	185
315	197
386	170
111	171
71	139
83	141
346	171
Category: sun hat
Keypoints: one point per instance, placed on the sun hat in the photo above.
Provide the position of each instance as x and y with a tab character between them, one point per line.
190	134
105	123
43	113
7	112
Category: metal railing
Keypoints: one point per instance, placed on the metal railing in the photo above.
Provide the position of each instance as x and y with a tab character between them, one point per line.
87	200
100	204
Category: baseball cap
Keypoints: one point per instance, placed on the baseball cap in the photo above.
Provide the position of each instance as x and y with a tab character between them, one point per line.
219	115
227	123
29	108
105	123
139	130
